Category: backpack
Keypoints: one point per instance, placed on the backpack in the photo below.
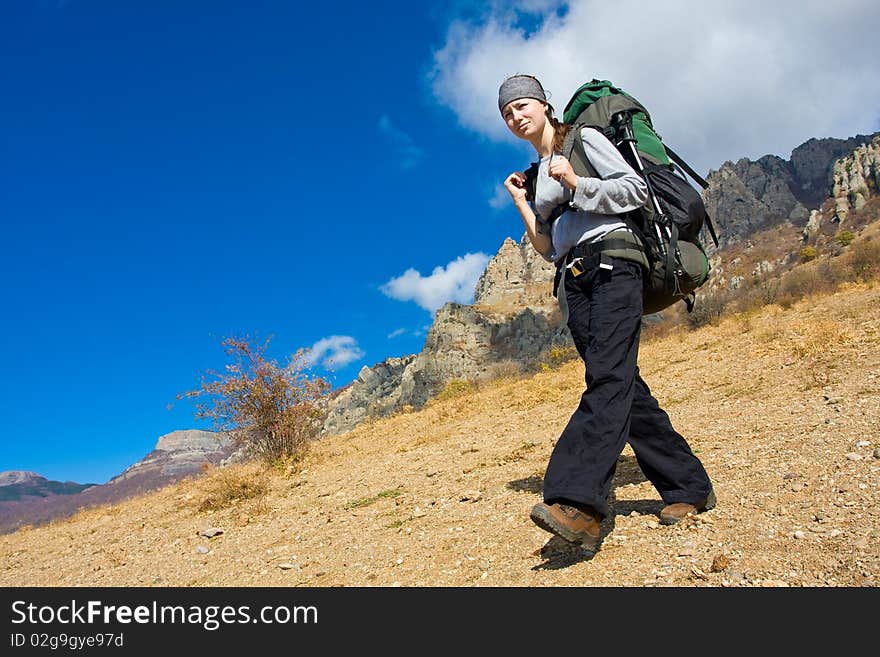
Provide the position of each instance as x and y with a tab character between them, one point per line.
669	224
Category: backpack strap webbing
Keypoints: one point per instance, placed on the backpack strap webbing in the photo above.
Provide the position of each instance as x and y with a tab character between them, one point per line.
586	249
687	168
573	150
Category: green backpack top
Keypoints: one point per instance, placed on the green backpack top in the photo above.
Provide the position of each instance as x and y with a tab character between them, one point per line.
596	102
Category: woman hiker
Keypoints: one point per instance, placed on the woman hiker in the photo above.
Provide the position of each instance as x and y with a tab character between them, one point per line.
603	293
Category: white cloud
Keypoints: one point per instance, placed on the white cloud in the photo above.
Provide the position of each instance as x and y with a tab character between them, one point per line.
334	352
500	198
396	333
406	153
722	80
454	282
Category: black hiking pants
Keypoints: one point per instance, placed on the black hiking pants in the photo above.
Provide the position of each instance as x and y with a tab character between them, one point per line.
605	312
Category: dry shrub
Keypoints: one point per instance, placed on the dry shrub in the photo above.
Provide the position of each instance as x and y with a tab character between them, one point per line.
807	253
557	355
708	309
503	371
762	292
272	409
844	237
820	339
772	326
863	259
230	486
799	283
456	388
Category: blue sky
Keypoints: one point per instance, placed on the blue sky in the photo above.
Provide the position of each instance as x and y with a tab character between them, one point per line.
173	173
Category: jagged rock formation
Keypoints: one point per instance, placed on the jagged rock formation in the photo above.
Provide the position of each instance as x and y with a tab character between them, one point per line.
856	178
375	393
512	321
747	196
179	453
470	342
813	164
516	273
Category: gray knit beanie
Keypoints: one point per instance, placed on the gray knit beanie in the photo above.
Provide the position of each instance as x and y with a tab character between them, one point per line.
519	86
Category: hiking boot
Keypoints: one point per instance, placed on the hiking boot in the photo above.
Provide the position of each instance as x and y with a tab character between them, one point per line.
580	526
673	513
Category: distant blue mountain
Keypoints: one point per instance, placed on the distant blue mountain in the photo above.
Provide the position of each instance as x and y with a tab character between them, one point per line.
28	484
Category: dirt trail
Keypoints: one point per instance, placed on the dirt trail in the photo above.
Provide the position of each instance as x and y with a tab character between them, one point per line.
782	406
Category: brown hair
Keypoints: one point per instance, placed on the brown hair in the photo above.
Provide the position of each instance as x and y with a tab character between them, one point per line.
560	129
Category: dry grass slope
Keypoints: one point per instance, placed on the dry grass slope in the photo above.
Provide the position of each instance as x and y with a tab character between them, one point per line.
781	405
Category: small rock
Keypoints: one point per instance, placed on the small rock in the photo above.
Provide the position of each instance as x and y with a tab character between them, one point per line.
696	572
834	533
288	566
774	583
471	496
202	550
211	533
852	456
862	443
877	453
735	576
799	534
719	563
419	513
686	550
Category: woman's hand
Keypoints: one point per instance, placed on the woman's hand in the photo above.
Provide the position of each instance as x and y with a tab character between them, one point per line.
560	169
515	185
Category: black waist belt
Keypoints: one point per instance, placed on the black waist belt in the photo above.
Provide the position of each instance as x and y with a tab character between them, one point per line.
586	249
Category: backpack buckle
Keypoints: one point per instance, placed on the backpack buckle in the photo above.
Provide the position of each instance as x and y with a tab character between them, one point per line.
576	267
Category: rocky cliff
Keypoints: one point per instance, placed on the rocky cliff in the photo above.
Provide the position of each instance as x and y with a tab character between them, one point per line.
856	178
747	196
179	453
513	320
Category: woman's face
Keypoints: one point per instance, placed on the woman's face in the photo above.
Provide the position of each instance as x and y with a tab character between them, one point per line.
525	117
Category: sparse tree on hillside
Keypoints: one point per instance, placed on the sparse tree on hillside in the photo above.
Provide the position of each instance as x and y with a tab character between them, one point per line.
274	410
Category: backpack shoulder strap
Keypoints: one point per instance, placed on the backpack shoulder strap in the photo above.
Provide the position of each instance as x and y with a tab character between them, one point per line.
531	181
573	150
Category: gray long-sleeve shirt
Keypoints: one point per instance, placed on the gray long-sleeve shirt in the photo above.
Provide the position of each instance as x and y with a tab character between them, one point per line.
595	204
